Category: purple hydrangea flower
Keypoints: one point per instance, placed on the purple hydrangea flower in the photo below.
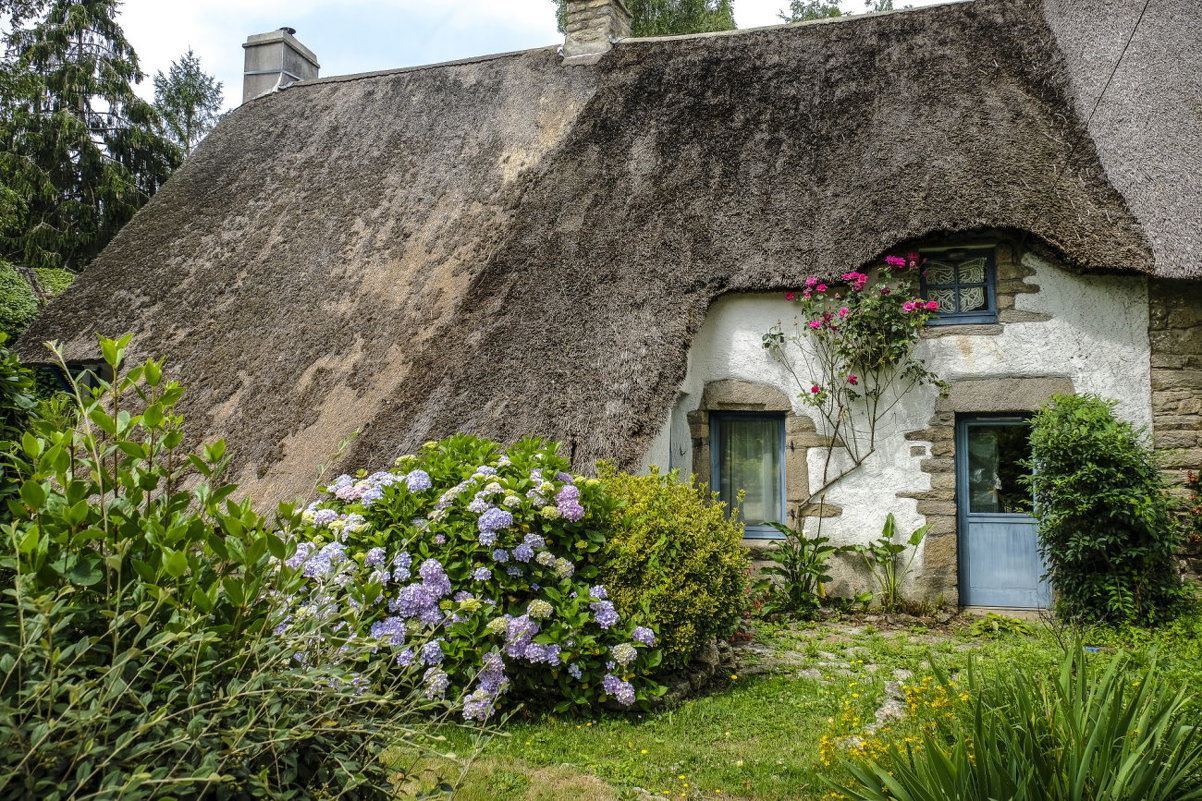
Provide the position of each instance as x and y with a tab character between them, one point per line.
371	496
487	538
439	539
495	519
486	470
604	613
519	633
322	563
500	555
405	657
644	635
478	506
598	591
418	481
482	574
622	691
303	549
564	477
574	671
391	627
523	553
534	541
432	653
323	517
542	654
374	557
513	570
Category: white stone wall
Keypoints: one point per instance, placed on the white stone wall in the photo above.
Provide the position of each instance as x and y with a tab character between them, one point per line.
1097	337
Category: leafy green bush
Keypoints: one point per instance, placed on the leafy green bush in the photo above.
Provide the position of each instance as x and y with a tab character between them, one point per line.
137	653
1094	731
477	566
1106	524
675	558
18	304
17	401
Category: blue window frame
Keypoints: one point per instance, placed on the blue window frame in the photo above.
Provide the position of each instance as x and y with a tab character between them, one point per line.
963	282
747	454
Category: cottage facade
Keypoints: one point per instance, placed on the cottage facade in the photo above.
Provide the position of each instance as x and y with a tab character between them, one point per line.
589	244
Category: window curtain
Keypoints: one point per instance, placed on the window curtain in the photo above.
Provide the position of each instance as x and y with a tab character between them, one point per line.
749	459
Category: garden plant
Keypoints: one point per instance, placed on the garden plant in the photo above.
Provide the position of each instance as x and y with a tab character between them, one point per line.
475	569
886	560
1107	527
852	355
797	571
138	654
1098	729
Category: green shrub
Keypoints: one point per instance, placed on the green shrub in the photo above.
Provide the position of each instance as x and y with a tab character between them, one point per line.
17	401
1106	523
1097	730
675	559
474	570
18	304
137	653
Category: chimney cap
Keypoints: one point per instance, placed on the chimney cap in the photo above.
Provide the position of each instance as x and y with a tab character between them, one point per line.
289	31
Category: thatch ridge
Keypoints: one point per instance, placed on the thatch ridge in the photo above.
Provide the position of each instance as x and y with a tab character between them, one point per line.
508	246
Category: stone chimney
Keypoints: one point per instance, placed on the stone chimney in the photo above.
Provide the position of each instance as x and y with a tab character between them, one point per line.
592	28
275	59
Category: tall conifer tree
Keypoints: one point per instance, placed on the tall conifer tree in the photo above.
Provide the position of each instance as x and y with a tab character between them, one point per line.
188	99
77	146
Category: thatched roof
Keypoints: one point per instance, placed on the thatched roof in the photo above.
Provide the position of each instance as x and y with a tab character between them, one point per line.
511	246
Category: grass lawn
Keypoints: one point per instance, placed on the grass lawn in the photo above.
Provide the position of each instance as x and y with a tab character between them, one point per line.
758	736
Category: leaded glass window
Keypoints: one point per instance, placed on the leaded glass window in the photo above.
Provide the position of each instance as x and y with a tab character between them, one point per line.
962	283
749	457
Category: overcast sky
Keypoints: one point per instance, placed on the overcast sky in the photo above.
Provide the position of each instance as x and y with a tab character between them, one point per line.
350	36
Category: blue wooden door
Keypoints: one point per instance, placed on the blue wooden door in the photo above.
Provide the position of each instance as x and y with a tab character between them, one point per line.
1000	563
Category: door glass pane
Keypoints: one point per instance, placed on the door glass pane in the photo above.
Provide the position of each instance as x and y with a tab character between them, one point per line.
749	453
995	455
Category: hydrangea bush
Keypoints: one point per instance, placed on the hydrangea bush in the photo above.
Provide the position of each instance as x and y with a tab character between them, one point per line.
473	570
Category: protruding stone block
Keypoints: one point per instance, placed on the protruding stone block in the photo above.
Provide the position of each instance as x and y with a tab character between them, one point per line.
592	28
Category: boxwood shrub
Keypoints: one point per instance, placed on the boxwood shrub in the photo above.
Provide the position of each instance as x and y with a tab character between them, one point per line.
675	559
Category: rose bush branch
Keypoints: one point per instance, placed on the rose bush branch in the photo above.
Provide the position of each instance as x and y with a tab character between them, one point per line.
852	358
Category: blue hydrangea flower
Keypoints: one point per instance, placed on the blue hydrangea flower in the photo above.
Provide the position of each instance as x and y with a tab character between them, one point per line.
523	553
622	691
432	653
418	481
482	574
500	555
494	520
644	635
604	613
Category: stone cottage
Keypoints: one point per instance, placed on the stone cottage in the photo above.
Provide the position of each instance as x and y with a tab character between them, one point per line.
587	242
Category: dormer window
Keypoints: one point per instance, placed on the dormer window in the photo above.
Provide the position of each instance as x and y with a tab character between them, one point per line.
963	282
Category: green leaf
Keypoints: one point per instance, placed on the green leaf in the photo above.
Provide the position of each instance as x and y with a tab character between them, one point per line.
33	494
176	563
